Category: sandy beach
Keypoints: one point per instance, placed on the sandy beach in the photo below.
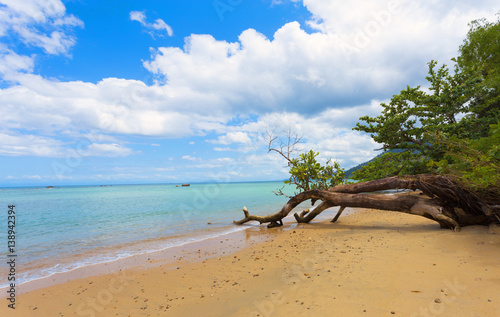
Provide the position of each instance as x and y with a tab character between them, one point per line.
371	263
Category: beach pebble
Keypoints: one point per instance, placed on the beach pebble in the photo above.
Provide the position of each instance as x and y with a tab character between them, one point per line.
437	300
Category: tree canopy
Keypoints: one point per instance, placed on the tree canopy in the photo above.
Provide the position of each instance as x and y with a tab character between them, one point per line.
443	140
452	126
305	171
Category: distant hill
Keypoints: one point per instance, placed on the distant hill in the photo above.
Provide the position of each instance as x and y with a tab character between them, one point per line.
349	172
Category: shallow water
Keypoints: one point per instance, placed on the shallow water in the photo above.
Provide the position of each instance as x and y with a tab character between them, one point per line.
61	229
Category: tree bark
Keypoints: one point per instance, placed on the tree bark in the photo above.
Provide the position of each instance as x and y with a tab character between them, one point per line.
444	202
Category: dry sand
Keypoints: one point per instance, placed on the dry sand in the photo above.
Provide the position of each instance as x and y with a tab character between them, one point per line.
372	263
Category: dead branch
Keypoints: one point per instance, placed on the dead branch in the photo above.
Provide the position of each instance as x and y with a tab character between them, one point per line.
287	144
446	202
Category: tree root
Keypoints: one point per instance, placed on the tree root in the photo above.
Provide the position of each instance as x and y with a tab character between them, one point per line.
446	202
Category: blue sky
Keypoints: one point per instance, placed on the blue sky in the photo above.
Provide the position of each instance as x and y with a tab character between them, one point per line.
109	92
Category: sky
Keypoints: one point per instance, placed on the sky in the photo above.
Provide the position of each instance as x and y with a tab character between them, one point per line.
127	92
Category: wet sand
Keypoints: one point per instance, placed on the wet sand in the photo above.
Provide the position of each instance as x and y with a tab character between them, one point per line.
372	263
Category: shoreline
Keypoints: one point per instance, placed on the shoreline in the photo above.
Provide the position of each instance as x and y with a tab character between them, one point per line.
121	254
212	246
371	263
159	251
105	224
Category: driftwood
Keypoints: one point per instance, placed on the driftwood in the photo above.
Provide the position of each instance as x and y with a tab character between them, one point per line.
445	202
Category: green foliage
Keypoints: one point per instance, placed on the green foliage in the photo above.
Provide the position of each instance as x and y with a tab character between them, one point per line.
474	163
391	164
413	115
445	128
307	173
479	52
480	58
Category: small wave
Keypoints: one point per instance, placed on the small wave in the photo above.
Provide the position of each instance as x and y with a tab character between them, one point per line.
107	258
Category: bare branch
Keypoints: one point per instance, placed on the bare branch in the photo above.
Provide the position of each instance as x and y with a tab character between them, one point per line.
280	192
287	144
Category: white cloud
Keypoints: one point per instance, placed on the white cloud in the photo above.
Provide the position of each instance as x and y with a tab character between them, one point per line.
232	137
164	169
109	150
225	160
419	29
31	177
12	144
119	177
317	83
37	177
160	25
110	106
328	132
189	158
11	63
39	23
277	2
361	51
210	81
157	28
222	149
139	16
29	145
207	166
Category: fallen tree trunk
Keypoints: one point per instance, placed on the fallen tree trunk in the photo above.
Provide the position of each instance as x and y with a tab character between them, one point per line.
444	202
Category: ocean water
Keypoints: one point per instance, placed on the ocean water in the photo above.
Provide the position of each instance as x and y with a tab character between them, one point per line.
61	229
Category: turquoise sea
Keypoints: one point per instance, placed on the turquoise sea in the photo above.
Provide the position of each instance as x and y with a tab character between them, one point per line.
64	228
